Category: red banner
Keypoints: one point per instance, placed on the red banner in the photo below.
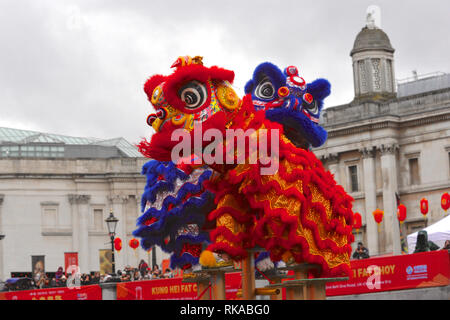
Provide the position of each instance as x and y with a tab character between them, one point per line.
161	289
172	289
426	269
92	292
70	262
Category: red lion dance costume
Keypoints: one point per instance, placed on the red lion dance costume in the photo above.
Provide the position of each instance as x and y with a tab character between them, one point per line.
298	213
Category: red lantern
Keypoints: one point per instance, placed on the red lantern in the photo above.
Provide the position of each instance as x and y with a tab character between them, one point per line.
357	221
134	243
378	216
401	213
424	207
118	244
445	201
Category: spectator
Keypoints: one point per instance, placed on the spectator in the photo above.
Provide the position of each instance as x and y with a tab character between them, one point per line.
422	243
156	273
146	276
446	245
137	275
168	274
59	273
46	282
53	283
108	277
361	252
86	280
96	278
62	281
125	276
39	279
143	267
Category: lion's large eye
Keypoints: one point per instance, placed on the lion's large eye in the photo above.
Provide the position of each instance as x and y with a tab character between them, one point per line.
312	107
265	89
193	94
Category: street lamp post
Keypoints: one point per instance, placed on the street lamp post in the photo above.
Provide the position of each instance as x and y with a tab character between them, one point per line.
111	222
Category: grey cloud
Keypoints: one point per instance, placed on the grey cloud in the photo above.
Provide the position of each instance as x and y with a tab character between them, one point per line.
77	67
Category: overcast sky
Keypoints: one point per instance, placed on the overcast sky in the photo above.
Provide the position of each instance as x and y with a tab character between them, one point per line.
78	67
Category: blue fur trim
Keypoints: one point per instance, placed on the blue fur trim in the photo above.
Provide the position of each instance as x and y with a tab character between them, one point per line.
276	76
320	89
263	255
180	262
161	176
177	213
193	211
313	133
153	170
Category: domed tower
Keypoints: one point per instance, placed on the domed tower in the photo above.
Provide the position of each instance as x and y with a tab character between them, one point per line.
373	61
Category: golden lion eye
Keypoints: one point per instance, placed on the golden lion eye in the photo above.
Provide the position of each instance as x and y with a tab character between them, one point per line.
227	97
193	94
156	95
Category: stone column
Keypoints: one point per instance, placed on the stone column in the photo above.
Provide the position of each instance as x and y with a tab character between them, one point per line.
116	202
75	224
332	160
389	174
83	224
2	269
370	195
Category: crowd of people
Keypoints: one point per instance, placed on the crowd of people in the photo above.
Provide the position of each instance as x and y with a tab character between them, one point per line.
422	245
42	280
142	272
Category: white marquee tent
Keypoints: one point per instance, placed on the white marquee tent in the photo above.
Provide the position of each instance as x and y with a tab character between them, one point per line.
437	232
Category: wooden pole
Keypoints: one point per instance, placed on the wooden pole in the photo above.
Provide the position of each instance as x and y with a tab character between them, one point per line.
316	291
248	277
297	292
218	285
201	287
278	296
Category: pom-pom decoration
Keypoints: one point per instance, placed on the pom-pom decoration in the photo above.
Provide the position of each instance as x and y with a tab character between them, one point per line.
445	201
357	221
401	213
207	259
118	244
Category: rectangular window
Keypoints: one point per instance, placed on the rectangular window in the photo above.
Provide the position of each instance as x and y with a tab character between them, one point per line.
414	176
98	219
414	226
353	174
50	217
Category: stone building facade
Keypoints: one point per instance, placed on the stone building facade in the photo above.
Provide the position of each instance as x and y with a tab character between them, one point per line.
384	147
57	191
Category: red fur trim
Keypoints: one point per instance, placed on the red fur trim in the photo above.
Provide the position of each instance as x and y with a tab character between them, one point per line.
152	83
313	172
239	216
160	145
235	238
235	253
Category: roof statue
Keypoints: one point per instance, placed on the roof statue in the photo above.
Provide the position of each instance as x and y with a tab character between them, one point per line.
373	17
